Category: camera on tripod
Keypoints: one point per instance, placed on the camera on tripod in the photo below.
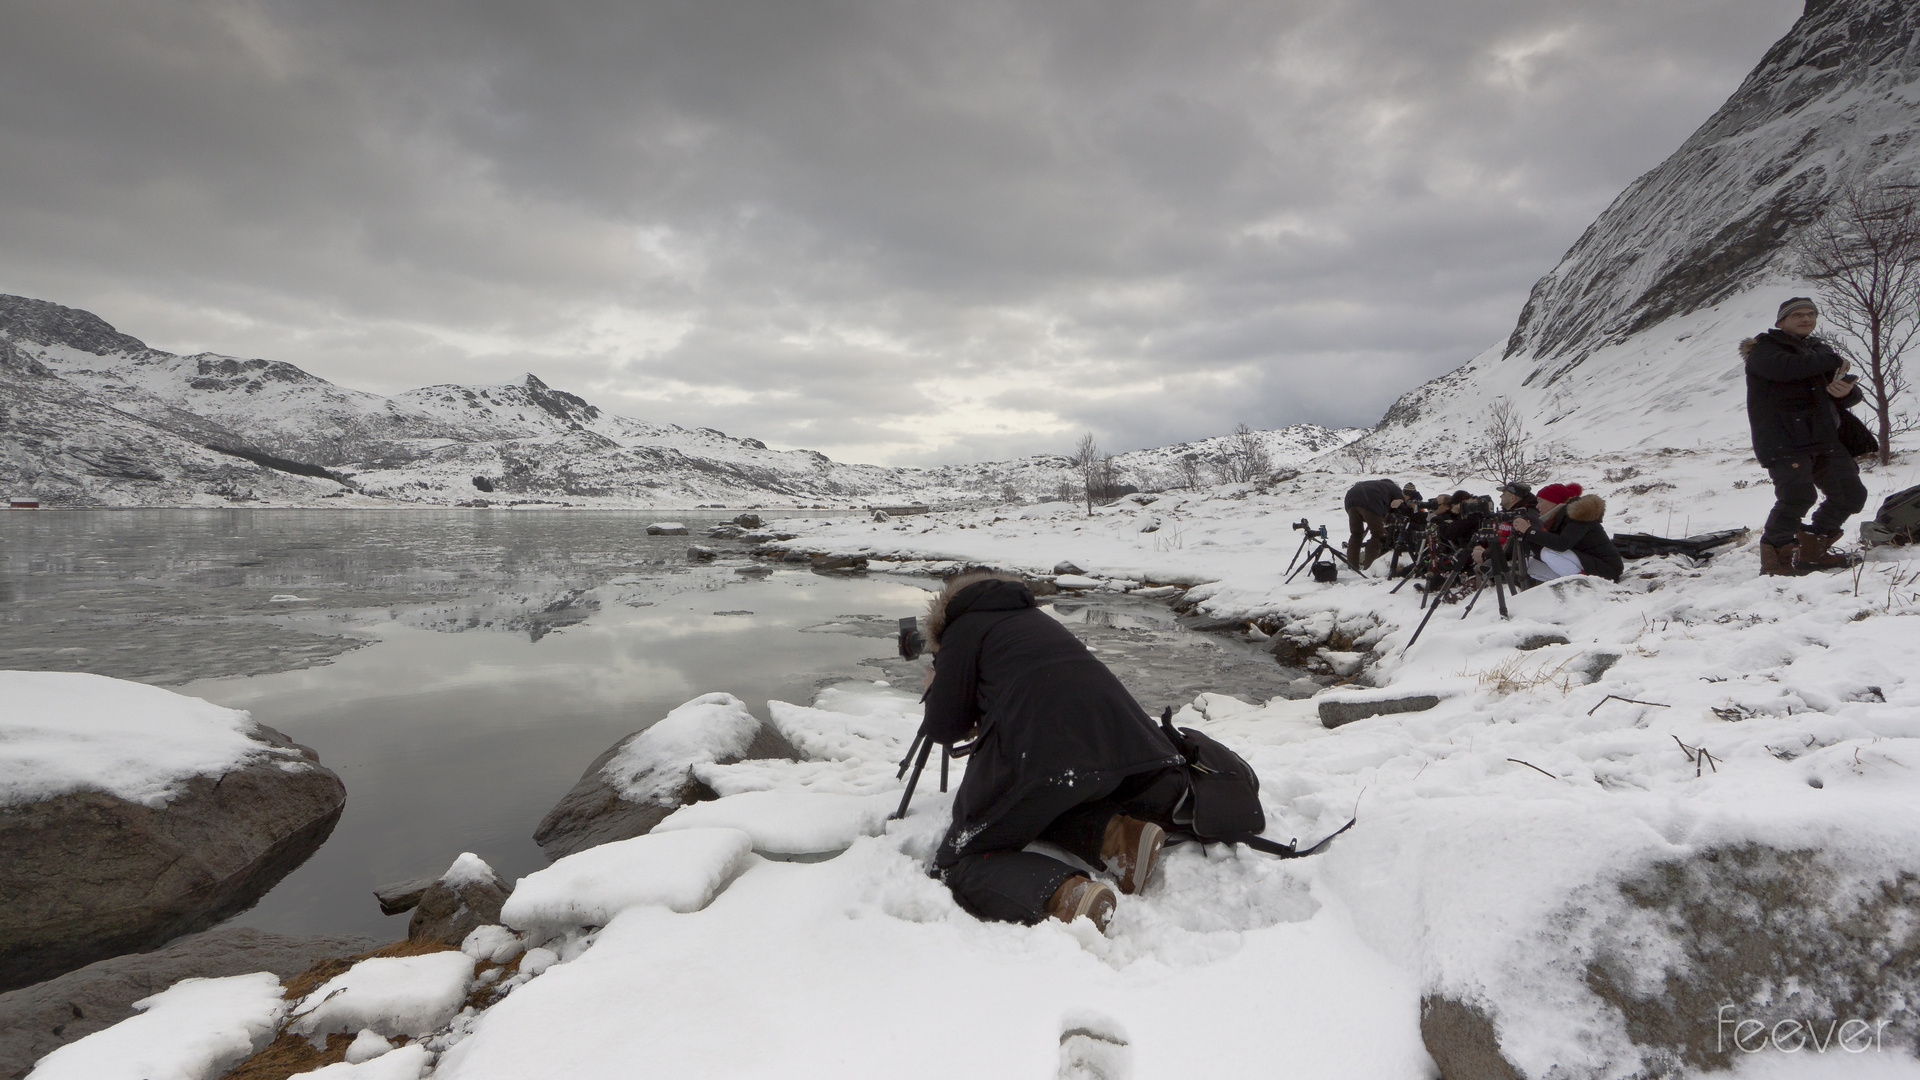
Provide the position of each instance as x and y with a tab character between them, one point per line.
1303	526
911	641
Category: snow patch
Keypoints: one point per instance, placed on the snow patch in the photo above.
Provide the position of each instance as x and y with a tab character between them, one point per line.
678	871
195	1028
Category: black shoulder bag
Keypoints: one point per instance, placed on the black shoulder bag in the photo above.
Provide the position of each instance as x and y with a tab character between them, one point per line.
1223	801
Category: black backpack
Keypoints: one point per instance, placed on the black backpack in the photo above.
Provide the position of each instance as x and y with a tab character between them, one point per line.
1898	521
1222	804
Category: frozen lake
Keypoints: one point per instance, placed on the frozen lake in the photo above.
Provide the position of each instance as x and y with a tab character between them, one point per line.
460	668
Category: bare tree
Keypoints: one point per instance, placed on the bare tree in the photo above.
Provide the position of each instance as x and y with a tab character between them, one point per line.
1190	472
1092	467
1863	256
1065	492
1246	457
1364	455
1503	452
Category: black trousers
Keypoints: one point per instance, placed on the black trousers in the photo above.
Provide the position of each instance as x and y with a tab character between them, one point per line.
1798	483
996	880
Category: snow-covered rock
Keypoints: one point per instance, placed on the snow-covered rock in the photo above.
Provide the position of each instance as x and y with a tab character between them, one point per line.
788	823
389	995
135	815
196	1029
678	871
408	1062
638	781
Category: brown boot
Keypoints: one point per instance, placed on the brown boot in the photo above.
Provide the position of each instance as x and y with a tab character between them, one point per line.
1130	849
1082	897
1814	553
1779	561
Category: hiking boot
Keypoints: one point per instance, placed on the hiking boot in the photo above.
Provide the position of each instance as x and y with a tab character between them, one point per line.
1130	849
1779	561
1082	897
1814	553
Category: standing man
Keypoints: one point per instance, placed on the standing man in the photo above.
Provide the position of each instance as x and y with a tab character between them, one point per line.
1368	503
1796	387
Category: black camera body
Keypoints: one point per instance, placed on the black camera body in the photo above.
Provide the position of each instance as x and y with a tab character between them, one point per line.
911	641
1303	526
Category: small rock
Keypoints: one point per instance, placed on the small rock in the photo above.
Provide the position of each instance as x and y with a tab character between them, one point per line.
839	562
469	895
1334	713
1064	567
1076	581
1220	626
882	515
666	528
1541	641
726	532
402	895
748	521
701	554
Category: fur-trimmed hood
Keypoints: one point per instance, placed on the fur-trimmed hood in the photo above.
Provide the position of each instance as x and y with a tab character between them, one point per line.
1586	508
937	607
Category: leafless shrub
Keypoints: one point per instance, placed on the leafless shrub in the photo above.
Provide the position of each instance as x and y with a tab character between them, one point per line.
1191	472
1246	457
1863	256
1364	455
1504	452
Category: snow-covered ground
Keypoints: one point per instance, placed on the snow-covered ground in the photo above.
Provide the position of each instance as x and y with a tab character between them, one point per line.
1686	712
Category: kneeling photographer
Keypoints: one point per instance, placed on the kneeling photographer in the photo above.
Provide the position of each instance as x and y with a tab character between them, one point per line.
1060	752
1568	537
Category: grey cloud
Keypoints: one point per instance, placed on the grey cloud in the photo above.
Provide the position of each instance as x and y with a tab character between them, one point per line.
988	225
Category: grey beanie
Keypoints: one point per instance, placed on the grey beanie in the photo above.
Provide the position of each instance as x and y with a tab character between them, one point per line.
1794	305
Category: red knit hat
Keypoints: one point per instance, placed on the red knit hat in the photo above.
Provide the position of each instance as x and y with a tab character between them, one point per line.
1559	493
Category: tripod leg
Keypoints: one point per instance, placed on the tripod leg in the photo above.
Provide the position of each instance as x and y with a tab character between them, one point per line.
918	738
919	763
1451	578
1502	579
946	755
1297	551
1413	568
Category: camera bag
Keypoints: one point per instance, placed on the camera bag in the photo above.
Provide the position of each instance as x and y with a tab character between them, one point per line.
1898	521
1222	804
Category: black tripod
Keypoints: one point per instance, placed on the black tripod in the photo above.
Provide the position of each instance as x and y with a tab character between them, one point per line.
1318	537
1497	572
918	753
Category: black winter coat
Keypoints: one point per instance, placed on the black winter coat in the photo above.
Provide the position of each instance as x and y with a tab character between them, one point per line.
1374	495
1788	406
1045	710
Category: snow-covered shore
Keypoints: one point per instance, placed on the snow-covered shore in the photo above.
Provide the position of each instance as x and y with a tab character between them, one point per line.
1618	788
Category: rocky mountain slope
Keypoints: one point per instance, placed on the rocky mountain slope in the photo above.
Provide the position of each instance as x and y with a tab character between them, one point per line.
1630	339
97	417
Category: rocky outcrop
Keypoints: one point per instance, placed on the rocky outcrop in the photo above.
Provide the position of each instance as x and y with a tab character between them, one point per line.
1695	964
87	875
37	1019
1335	711
468	896
595	811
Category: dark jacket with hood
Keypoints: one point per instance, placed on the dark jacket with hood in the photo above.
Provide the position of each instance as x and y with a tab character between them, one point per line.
1043	710
1788	406
1374	495
1577	528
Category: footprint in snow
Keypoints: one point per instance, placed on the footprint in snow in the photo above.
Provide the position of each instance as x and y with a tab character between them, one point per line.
1094	1047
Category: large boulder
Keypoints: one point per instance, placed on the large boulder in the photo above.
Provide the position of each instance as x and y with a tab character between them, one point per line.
130	816
635	783
36	1020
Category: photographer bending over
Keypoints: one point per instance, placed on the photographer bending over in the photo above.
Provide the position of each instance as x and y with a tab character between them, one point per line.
1568	538
1368	504
1796	387
1061	753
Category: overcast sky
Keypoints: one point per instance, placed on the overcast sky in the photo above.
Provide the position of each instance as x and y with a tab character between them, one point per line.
907	232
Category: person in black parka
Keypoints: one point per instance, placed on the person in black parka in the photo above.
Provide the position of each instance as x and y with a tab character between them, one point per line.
1368	503
1060	752
1794	396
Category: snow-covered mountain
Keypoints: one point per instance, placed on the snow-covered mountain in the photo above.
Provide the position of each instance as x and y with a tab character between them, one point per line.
97	417
1630	340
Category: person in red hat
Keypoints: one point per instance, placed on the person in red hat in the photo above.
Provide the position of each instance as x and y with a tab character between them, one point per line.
1570	538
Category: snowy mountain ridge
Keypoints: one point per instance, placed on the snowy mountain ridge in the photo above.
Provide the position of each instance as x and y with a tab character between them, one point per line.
219	428
1630	341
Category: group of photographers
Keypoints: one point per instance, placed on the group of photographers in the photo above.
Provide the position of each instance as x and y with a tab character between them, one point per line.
1555	532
